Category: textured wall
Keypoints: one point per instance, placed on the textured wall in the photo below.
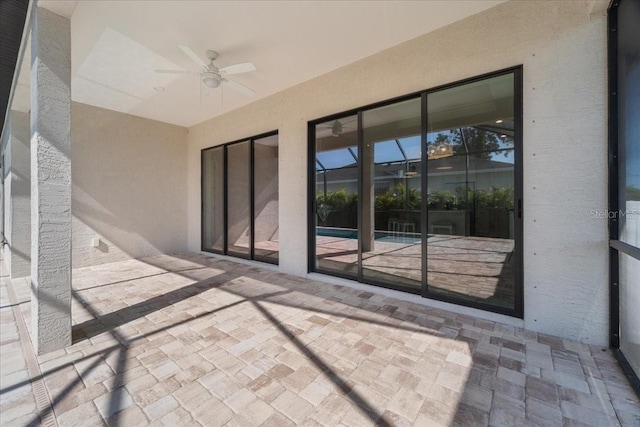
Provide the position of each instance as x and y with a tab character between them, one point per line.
129	181
562	48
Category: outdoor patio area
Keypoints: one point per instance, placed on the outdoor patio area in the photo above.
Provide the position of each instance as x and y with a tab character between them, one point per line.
473	268
202	340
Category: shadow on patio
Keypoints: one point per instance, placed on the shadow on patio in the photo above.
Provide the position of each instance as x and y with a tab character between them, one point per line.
195	339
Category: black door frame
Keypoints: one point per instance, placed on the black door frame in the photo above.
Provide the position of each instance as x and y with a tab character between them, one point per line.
616	247
252	256
518	310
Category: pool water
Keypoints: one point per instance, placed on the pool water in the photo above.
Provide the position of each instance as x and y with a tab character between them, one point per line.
380	236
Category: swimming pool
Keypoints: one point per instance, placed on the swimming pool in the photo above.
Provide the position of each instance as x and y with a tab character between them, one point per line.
382	236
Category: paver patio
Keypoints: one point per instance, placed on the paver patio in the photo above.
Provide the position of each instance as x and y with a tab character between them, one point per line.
200	340
475	268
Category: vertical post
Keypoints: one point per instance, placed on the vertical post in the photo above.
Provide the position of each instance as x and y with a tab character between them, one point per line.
424	185
616	175
252	199
50	181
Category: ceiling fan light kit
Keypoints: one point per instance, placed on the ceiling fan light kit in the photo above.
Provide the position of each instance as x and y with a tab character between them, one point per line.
211	79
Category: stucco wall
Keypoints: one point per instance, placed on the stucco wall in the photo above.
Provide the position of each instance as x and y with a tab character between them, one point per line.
129	181
563	52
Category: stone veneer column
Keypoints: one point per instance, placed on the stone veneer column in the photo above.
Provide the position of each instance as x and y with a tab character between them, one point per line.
17	209
50	181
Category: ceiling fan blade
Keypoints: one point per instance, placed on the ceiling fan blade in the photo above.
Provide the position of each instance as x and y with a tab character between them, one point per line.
240	87
194	57
245	67
175	72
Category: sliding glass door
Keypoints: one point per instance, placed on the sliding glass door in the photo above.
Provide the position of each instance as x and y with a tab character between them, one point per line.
391	191
266	206
213	209
470	192
624	169
423	194
336	196
240	198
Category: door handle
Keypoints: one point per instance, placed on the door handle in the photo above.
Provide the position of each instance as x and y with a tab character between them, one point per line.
519	208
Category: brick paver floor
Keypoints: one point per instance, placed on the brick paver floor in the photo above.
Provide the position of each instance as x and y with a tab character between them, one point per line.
199	340
481	268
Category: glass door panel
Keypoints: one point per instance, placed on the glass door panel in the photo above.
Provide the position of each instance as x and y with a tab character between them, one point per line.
213	199
391	242
629	313
336	219
628	70
265	152
431	208
470	194
239	199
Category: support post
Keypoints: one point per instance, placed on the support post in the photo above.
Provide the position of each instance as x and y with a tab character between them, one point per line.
50	181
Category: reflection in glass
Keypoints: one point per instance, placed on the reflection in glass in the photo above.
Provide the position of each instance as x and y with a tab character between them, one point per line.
628	62
336	217
266	197
470	194
238	198
628	123
213	199
391	195
370	217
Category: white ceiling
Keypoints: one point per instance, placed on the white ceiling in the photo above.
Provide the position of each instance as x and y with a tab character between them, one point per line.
116	45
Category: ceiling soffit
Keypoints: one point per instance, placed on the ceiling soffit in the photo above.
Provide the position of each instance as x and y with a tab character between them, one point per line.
117	45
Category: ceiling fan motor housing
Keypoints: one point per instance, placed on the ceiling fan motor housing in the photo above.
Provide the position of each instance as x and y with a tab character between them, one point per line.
336	128
212	55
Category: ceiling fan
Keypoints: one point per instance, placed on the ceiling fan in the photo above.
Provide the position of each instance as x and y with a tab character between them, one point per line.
213	76
337	127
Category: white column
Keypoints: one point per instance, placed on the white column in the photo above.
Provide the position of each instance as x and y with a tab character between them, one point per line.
17	209
50	181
